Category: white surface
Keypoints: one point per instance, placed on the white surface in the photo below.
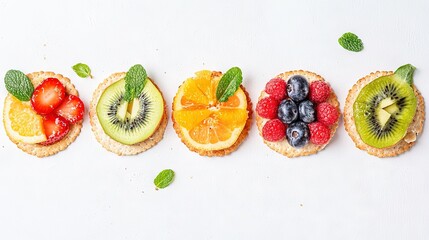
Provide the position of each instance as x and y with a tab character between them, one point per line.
86	192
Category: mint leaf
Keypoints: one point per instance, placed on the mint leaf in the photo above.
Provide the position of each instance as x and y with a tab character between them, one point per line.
406	72
228	84
351	42
19	85
135	80
164	178
82	70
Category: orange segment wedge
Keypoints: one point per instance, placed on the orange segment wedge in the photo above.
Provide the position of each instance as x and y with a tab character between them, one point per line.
232	117
194	93
21	122
191	118
204	122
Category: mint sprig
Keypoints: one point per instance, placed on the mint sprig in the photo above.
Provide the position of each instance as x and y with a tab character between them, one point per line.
19	85
82	70
406	73
135	80
228	84
351	42
164	178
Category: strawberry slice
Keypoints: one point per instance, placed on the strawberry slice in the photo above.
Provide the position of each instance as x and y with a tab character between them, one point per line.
56	128
48	96
71	109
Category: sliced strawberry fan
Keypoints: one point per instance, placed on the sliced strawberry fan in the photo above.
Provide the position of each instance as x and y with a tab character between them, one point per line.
58	109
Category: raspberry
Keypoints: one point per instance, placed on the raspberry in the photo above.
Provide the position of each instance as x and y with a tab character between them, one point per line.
267	107
319	133
276	88
327	114
319	91
274	130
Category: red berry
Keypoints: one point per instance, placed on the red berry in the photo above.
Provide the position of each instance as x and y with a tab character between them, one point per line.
319	133
71	109
327	114
267	107
276	88
274	130
56	128
319	91
48	96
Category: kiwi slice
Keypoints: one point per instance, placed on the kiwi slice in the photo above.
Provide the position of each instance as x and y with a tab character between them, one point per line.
385	108
130	122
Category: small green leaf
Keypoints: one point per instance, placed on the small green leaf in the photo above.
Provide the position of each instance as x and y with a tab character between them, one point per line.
164	178
82	70
19	85
351	42
405	73
228	84
135	80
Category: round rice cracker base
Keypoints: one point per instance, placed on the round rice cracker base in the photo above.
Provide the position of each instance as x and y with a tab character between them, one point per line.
220	152
44	151
106	141
415	128
283	147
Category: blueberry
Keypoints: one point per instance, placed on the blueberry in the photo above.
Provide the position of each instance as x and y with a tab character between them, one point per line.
297	88
306	111
287	111
297	134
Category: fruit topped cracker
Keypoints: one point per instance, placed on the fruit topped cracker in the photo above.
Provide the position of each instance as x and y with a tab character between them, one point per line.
42	113
297	113
127	112
384	112
212	112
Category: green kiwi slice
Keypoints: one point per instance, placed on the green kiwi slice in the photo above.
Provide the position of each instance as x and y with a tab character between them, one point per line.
130	122
385	108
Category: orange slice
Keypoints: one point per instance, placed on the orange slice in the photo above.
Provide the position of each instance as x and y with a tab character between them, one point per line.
21	122
205	123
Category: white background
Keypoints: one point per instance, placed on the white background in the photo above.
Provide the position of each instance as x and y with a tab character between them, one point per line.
86	192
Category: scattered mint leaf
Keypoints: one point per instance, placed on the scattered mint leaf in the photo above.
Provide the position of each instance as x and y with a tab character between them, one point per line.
19	85
164	178
351	42
135	80
406	72
228	84
82	70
